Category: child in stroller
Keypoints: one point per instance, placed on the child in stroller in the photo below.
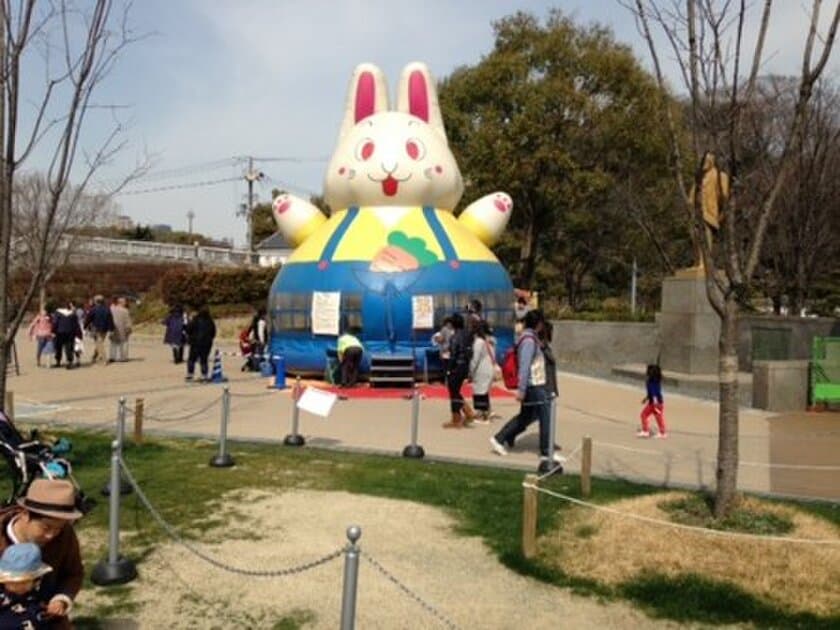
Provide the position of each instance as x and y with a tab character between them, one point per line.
30	459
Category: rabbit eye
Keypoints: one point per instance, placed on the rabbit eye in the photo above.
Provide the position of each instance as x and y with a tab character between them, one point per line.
365	149
415	149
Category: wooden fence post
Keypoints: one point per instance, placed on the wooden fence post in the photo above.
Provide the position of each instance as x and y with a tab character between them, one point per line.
138	420
529	517
586	468
9	407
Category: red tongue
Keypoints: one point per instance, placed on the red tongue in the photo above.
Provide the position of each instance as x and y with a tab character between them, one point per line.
389	186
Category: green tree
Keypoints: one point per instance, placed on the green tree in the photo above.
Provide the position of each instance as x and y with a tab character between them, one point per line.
561	117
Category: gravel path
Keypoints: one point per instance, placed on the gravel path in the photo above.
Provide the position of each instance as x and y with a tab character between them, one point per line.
457	575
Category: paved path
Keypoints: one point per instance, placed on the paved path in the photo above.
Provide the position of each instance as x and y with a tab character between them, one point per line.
795	454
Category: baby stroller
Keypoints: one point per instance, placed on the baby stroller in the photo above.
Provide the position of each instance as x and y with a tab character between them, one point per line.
27	460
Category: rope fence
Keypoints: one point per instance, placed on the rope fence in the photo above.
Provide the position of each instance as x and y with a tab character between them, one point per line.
671	524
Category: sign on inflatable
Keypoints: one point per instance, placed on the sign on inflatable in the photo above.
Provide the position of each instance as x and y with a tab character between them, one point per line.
392	260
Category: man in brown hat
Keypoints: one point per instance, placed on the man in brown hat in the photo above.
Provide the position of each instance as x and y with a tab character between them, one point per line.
45	517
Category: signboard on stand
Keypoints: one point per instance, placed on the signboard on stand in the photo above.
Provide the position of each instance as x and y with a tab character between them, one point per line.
326	311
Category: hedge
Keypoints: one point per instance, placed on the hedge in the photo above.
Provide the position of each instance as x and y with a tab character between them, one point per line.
196	288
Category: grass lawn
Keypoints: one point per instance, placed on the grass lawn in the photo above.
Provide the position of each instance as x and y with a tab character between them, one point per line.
486	502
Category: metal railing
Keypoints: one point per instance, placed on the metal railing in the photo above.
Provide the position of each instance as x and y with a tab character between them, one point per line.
216	256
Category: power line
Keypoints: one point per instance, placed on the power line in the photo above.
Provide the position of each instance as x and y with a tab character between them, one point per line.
211	182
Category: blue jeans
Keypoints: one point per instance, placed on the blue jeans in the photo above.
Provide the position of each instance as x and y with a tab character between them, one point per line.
534	407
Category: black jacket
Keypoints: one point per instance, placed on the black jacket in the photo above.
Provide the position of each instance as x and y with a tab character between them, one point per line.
201	331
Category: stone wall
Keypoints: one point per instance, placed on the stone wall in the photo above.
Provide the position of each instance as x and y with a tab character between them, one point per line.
605	343
798	331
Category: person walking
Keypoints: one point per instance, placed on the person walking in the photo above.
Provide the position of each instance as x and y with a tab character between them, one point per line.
531	391
41	331
654	404
350	352
100	322
176	335
66	327
482	369
460	348
201	331
121	332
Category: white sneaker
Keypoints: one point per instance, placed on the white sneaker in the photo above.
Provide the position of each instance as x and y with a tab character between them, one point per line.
643	434
661	436
497	447
559	459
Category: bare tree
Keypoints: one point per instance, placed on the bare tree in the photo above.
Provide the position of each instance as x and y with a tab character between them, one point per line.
76	210
803	245
77	47
706	37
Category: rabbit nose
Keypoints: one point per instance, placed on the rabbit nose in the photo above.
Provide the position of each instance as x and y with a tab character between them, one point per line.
386	164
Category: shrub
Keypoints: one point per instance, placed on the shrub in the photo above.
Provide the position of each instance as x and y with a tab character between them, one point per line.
228	286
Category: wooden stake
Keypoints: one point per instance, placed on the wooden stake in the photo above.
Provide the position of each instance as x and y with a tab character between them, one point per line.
529	517
138	420
586	468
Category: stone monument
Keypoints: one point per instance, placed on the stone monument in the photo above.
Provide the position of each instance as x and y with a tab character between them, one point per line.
688	325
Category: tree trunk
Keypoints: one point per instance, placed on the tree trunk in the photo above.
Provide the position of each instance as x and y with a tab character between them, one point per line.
528	255
727	470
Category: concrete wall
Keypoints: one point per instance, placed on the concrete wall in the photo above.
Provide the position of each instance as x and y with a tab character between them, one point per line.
801	330
780	385
605	343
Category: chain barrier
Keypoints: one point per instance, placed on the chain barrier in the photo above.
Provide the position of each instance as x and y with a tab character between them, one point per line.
411	594
296	570
192	414
259	395
692	528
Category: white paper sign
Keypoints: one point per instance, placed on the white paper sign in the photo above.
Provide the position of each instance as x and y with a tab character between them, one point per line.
422	311
325	312
317	401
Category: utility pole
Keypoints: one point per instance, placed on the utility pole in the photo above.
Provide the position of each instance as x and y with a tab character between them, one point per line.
190	217
251	176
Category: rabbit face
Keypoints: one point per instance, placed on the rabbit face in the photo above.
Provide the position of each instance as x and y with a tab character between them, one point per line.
392	158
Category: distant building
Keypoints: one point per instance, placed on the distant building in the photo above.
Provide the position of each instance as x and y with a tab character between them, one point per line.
273	251
162	227
123	222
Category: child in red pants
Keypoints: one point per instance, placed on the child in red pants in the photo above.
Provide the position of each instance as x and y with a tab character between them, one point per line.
653	404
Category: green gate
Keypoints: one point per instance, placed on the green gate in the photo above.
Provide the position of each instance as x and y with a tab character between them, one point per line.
825	370
770	344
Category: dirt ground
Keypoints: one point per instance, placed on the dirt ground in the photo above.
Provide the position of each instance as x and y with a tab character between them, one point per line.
457	575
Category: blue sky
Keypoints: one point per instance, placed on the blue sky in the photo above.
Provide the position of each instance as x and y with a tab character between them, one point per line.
217	79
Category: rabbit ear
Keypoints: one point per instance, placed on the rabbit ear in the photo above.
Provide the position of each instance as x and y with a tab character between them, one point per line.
368	94
417	96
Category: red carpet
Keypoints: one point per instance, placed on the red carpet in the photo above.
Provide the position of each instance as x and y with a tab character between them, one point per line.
431	391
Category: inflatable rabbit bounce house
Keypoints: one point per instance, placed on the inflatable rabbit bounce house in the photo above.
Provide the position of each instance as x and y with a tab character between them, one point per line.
392	260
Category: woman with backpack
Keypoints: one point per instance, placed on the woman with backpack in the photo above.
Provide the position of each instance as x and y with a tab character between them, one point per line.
531	390
460	351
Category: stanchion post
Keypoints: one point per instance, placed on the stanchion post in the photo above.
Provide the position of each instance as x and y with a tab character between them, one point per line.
9	405
414	450
548	465
115	569
138	420
586	467
295	438
223	458
529	517
351	578
124	486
